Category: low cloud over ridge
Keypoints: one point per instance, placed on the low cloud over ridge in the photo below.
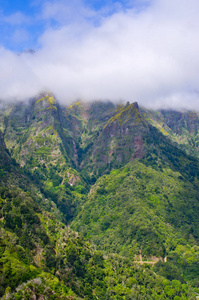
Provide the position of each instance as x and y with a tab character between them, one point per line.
148	55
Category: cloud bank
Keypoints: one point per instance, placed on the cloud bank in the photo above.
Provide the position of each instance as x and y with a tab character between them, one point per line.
148	54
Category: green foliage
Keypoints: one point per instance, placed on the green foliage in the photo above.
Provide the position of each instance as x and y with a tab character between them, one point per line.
144	209
182	261
140	208
128	281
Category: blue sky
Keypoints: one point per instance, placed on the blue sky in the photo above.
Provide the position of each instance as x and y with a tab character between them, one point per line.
18	30
23	22
125	50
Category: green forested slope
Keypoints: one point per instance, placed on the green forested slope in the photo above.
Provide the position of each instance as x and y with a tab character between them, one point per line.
138	210
108	173
140	207
41	254
41	257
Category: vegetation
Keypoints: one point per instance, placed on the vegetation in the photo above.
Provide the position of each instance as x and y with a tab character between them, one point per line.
40	256
114	175
182	127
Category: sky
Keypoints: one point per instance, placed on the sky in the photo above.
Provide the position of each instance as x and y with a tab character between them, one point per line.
126	50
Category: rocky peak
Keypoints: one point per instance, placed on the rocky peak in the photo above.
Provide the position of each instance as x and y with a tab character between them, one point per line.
135	105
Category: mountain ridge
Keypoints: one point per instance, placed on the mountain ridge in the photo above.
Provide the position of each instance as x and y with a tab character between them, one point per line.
106	171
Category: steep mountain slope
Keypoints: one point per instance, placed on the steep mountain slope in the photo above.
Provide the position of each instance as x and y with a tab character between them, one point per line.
35	247
127	135
134	204
122	183
84	139
40	258
31	132
180	126
120	141
38	141
140	211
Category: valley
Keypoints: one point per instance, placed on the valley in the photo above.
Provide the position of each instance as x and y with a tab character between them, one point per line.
98	201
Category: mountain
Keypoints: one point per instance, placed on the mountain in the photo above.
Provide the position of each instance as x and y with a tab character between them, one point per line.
114	175
43	259
38	142
140	207
182	127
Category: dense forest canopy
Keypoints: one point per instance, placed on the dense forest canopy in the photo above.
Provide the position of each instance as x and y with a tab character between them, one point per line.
98	201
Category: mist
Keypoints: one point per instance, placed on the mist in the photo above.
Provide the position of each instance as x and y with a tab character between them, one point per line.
148	55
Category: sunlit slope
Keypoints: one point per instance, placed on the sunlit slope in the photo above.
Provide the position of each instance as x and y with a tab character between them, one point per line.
142	208
41	257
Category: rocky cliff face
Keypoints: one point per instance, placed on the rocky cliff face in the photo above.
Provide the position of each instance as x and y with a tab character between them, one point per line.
92	137
120	140
181	127
179	121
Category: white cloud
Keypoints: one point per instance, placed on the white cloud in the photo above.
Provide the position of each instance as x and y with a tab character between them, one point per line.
150	57
17	77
